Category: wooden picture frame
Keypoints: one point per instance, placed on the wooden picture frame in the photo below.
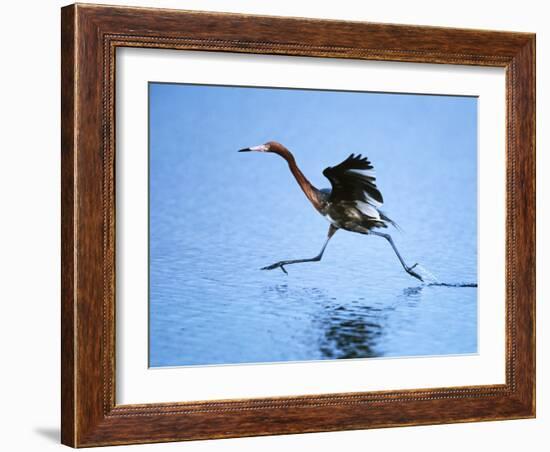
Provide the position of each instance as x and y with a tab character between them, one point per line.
90	36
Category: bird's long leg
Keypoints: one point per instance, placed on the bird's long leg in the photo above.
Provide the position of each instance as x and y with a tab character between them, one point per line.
317	258
409	270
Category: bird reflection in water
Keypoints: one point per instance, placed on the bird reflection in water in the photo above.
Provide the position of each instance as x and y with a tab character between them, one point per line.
357	329
352	332
349	329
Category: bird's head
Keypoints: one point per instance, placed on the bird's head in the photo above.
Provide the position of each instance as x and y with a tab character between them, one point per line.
270	146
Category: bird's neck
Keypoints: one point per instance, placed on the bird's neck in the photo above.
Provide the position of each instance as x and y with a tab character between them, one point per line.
311	192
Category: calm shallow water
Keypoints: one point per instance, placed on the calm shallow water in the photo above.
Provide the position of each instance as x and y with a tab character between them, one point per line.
217	217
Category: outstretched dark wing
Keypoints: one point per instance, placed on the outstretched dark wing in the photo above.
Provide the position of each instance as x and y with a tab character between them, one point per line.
354	180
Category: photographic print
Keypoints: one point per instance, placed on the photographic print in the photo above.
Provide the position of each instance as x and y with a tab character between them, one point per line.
292	225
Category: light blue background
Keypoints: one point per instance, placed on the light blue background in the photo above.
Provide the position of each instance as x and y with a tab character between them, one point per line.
217	216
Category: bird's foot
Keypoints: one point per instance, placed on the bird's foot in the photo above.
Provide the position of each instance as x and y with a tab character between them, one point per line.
410	271
276	265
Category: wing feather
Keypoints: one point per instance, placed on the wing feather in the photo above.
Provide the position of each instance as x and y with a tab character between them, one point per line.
354	180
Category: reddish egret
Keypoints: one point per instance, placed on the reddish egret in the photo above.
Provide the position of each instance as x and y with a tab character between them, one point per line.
353	203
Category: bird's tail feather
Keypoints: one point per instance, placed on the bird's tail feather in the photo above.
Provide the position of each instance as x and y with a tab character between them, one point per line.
390	221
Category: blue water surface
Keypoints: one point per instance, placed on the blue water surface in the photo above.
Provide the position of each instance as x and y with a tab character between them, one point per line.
218	216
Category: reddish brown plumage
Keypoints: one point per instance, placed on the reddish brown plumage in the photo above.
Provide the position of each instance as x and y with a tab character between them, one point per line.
311	192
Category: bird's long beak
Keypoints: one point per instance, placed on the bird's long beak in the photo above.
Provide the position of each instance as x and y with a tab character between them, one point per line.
259	148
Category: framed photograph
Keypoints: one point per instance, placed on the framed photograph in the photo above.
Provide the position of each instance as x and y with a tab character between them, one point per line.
280	225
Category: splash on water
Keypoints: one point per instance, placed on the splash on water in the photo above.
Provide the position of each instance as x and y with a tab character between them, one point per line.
432	281
427	276
453	284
